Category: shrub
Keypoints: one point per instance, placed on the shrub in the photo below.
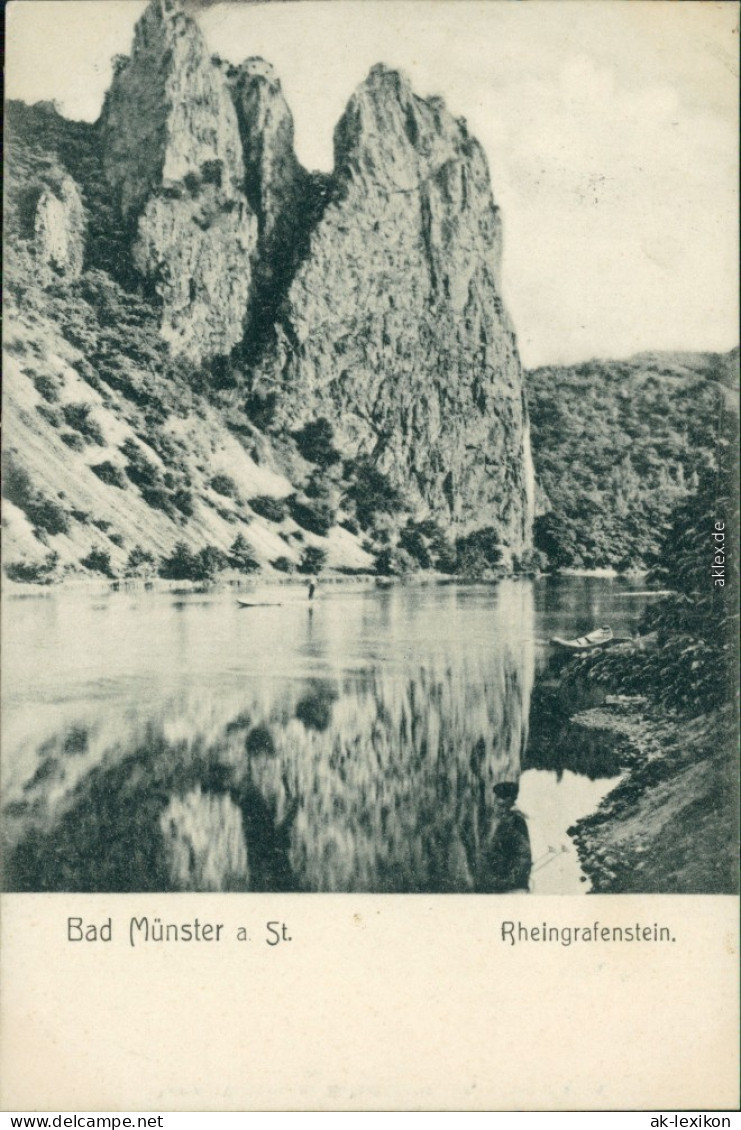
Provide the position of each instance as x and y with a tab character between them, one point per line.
180	565
184	565
261	408
46	388
183	501
139	562
224	484
478	552
314	441
274	509
415	543
317	517
313	559
471	563
43	513
139	469
315	708
371	492
51	415
33	572
283	565
109	473
77	416
532	561
73	440
98	561
394	562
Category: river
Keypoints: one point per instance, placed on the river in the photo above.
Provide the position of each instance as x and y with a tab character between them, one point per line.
374	741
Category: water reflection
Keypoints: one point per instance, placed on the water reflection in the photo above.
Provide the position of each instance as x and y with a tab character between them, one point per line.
373	746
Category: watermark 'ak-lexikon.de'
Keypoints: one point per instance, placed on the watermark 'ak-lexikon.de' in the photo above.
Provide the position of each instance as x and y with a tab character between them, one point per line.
718	569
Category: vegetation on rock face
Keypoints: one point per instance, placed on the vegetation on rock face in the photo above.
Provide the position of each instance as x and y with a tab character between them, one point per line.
315	442
616	446
274	509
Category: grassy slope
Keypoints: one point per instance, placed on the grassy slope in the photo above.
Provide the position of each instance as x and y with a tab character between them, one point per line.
182	442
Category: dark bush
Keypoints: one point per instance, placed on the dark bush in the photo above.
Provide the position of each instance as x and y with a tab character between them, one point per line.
109	473
99	561
184	565
73	440
394	562
415	543
283	565
51	415
77	416
261	408
371	492
314	441
478	552
313	560
139	561
259	742
315	708
316	516
182	500
274	509
46	387
224	484
139	469
33	573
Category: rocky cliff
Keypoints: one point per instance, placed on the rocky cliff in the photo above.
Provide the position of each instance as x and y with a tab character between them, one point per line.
364	304
59	227
394	326
173	156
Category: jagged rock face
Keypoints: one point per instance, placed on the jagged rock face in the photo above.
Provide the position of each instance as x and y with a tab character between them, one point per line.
173	155
393	326
59	230
283	195
275	182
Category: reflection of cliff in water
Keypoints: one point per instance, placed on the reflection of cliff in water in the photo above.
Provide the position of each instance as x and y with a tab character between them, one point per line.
375	779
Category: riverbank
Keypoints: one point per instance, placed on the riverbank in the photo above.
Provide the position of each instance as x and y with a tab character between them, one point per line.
670	825
86	582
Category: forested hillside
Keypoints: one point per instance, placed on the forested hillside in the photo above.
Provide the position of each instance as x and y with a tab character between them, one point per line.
618	444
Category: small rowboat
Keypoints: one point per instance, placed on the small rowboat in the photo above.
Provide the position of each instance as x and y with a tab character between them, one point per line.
259	603
600	637
275	603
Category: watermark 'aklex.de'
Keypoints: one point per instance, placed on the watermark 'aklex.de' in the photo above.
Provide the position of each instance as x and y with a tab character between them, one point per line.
718	569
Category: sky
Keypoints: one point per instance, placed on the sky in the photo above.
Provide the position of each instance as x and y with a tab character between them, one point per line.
610	126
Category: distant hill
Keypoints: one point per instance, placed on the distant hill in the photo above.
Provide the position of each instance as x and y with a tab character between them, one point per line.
618	444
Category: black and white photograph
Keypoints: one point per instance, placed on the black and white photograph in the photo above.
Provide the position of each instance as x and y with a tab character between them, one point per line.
368	496
370	454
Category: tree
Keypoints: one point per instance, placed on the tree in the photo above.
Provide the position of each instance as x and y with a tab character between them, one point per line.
313	560
241	556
